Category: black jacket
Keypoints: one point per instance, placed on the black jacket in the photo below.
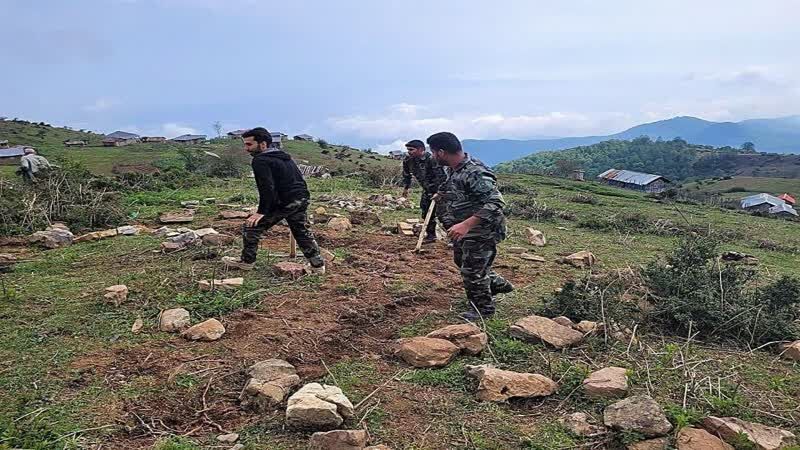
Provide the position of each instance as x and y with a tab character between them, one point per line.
279	181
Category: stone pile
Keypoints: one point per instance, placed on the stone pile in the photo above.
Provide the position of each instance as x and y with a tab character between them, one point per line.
54	236
269	384
495	385
116	294
439	347
319	407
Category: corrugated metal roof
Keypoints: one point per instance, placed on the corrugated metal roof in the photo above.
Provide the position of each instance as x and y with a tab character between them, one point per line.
630	177
788	199
783	207
760	199
189	137
121	135
237	132
11	152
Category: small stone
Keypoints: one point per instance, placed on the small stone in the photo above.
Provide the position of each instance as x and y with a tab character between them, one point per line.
319	407
210	330
190	203
339	224
339	440
161	232
365	217
185	216
205	232
405	229
582	259
532	257
764	437
237	447
56	236
699	439
468	337
228	438
426	352
184	239
128	230
650	444
639	414
516	250
227	284
171	247
413	221
233	214
174	320
117	294
495	385
321	211
540	328
270	383
97	235
610	382
588	327
535	237
564	321
378	447
209	200
791	351
218	240
580	424
289	270
137	326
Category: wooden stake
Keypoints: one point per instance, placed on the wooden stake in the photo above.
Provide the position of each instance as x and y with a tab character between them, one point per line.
425	225
292	246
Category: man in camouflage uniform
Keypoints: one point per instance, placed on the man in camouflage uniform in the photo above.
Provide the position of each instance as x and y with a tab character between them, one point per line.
429	174
473	216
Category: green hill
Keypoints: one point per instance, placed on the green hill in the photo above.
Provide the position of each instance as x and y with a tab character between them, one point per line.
737	187
675	159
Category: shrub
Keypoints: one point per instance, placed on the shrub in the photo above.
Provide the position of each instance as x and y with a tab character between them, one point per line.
529	208
382	177
585	199
593	297
323	143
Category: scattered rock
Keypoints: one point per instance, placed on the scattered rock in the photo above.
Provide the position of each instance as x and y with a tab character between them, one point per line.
405	229
55	236
581	424
699	439
540	328
210	330
588	327
365	217
495	385
96	235
116	294
650	444
468	337
764	437
327	255
340	224
227	284
610	382
184	216
742	258
228	438
184	239
564	321
218	240
233	214
426	352
209	200
137	326
191	204
130	230
339	440
289	270
516	250
270	383
7	258
203	232
791	351
163	231
174	320
171	247
535	237
582	259
413	221
532	257
640	414
319	407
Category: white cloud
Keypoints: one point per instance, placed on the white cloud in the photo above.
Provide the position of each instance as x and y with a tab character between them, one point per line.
748	76
384	149
101	104
171	130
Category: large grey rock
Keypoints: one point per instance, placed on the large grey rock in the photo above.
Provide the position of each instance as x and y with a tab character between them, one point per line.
497	385
610	382
468	337
318	407
56	236
764	437
270	383
426	352
640	414
338	440
540	328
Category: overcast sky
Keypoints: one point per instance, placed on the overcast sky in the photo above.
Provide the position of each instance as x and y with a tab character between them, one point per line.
370	73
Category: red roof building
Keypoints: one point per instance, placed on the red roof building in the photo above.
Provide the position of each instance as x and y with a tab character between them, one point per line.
788	199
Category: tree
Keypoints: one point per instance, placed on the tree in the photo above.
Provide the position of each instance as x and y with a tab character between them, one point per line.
749	147
218	128
564	167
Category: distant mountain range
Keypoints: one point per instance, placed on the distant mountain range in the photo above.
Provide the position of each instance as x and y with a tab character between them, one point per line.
781	135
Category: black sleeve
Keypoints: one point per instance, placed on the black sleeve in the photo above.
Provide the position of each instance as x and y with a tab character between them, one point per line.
266	186
406	174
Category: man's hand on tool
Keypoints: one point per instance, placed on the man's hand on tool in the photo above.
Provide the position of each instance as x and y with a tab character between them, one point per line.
253	220
459	230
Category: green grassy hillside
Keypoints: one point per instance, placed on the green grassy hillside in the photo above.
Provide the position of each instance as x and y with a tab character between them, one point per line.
738	187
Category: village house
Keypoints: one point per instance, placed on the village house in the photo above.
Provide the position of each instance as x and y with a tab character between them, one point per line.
578	175
278	138
190	139
768	204
397	154
76	143
11	156
236	134
783	210
637	181
154	139
4	143
120	138
304	137
788	199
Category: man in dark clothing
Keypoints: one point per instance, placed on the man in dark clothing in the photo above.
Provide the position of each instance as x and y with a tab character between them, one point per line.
429	174
475	222
282	194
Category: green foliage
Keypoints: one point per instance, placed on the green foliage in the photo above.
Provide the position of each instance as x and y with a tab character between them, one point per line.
176	443
740	441
452	377
550	436
215	304
531	209
682	418
592	298
585	199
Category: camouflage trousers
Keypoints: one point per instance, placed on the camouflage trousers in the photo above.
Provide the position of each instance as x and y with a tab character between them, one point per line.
296	215
474	257
424	204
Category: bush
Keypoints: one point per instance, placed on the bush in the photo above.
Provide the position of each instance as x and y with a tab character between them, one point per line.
230	162
593	297
585	199
529	208
383	177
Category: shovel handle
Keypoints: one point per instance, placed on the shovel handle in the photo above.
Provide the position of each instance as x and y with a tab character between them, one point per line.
425	225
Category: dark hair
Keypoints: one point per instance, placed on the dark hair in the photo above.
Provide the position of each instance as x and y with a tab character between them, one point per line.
260	134
446	142
416	143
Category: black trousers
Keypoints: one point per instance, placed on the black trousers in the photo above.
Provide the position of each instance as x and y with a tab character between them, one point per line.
296	215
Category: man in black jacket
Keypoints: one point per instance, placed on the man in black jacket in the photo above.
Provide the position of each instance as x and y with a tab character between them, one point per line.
282	194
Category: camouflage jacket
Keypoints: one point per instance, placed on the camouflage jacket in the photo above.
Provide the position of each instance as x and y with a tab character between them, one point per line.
426	170
471	190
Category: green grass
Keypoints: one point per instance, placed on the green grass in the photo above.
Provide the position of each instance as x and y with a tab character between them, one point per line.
738	187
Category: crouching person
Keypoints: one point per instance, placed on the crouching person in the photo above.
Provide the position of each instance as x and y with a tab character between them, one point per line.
282	194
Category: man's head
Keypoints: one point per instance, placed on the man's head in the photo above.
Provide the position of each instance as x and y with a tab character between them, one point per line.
29	151
446	148
416	148
256	140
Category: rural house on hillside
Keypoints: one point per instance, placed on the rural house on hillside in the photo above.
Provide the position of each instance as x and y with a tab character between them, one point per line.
120	138
190	139
152	139
783	210
397	154
304	137
236	134
637	181
11	156
76	143
278	138
768	204
788	199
